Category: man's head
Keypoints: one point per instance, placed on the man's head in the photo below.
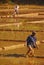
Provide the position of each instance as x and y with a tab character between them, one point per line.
33	33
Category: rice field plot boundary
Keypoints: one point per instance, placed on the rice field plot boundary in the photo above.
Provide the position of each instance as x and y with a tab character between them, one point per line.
20	23
17	46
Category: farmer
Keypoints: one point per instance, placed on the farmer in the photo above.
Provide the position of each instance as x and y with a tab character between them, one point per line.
31	44
16	10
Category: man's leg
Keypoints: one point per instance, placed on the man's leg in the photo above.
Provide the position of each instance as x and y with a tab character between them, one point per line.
28	50
14	13
31	51
17	12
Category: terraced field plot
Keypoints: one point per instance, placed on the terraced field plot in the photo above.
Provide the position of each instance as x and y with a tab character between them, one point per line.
8	35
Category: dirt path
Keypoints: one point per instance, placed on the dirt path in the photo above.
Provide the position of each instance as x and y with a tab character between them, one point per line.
21	15
18	46
31	15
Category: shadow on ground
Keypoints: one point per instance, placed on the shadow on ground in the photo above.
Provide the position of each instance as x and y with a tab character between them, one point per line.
19	55
12	55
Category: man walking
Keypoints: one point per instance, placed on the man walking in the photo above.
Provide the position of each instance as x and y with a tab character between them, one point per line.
31	44
16	10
